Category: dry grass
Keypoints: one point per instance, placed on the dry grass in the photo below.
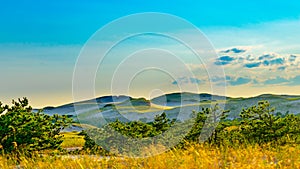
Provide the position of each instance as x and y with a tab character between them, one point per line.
195	156
72	139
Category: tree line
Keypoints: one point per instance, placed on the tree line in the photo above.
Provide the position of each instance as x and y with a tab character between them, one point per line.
258	124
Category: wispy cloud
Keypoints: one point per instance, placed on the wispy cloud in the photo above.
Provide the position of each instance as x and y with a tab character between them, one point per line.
224	60
295	81
186	80
239	81
277	80
252	65
281	36
234	50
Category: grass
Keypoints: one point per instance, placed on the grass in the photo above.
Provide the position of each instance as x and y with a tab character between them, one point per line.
195	156
85	126
123	109
72	139
293	98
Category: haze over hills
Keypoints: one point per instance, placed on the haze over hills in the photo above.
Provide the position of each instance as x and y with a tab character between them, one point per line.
178	106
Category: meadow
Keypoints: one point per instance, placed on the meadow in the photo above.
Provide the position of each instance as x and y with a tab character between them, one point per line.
259	138
195	156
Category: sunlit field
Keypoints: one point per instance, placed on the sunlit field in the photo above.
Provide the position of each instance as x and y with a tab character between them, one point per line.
195	156
72	139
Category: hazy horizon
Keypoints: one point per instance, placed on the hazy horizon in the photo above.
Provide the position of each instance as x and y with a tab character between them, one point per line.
136	97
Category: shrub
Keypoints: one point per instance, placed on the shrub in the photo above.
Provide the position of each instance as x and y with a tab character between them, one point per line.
210	122
260	124
118	133
24	131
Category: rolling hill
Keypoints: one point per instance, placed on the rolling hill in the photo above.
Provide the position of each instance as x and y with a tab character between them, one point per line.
102	110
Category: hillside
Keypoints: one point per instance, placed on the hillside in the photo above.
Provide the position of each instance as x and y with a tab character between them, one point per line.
105	109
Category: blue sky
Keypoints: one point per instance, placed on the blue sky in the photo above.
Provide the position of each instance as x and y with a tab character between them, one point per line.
62	22
41	40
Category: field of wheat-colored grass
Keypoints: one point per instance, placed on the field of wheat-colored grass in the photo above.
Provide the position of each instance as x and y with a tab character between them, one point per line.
72	139
194	156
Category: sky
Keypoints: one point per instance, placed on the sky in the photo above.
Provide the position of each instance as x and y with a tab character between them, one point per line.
256	43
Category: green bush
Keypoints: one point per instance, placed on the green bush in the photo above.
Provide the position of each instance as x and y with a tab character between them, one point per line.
260	124
125	134
23	131
210	122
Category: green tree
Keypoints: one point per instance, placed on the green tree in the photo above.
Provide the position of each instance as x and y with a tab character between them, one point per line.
118	133
24	131
211	123
260	124
162	123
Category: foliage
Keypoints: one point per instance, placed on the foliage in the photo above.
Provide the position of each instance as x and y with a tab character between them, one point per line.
125	134
261	125
161	123
23	131
258	124
89	143
215	124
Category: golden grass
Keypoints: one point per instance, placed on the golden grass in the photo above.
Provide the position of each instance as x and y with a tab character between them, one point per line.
195	156
293	98
143	109
72	139
85	126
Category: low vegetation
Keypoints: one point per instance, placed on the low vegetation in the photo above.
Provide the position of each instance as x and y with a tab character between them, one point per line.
194	156
259	138
24	132
72	140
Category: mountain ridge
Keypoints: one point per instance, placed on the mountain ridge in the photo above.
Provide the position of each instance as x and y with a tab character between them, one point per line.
179	106
169	94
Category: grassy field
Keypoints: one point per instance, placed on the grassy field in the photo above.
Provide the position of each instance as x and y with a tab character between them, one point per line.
72	139
195	156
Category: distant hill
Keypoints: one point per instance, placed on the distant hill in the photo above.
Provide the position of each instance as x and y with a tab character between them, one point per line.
105	109
177	99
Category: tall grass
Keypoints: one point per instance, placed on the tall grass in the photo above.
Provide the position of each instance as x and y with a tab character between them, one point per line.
194	156
72	139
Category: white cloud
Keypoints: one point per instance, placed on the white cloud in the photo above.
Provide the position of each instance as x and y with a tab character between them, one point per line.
277	36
